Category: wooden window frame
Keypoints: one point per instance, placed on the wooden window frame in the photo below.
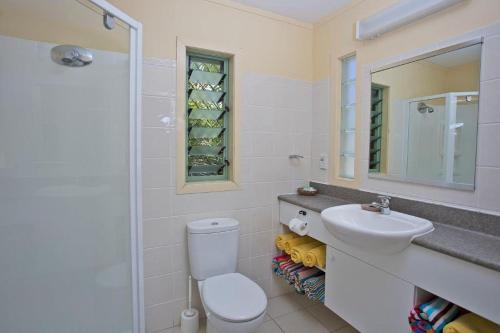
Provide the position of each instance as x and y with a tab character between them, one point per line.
233	180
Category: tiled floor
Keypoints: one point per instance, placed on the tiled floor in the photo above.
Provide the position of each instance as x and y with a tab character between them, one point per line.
293	313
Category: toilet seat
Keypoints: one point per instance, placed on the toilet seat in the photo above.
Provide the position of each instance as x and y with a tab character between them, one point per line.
233	297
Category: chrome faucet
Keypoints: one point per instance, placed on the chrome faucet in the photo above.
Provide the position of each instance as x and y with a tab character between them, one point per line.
383	205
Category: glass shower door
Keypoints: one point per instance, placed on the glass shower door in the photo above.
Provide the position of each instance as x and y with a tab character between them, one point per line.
427	133
65	221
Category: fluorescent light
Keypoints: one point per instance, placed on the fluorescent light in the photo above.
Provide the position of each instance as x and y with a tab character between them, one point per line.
401	13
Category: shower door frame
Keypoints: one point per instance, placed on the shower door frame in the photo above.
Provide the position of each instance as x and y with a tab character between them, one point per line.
135	152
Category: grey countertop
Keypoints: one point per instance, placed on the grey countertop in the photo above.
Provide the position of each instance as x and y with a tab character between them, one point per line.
472	246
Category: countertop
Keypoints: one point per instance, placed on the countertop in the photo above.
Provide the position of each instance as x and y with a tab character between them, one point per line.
472	246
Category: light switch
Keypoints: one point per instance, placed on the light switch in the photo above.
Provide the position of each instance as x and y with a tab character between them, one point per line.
323	162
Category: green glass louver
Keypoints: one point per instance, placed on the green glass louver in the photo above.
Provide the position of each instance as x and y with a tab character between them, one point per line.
207	108
377	96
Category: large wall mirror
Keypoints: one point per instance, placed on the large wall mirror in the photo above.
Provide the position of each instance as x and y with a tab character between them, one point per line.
424	116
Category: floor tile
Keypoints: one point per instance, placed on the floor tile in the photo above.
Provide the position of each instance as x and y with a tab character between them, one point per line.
177	329
282	305
269	327
327	317
300	322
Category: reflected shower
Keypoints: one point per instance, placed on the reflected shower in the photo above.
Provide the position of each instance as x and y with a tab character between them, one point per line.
424	108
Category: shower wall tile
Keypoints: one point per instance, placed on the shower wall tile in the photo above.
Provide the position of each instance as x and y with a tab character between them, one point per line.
154	173
491	64
488	143
320	129
276	122
157	232
153	143
159	78
490	102
158	111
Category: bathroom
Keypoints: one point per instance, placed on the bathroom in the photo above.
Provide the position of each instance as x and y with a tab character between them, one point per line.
152	149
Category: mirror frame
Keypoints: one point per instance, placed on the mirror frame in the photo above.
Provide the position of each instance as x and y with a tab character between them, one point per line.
404	61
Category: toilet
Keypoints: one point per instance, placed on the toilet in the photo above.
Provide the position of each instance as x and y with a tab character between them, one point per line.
233	303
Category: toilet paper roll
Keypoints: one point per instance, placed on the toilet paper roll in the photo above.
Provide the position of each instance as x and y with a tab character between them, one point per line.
298	226
190	321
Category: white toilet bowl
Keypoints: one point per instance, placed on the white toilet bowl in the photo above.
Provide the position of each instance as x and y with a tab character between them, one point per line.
233	303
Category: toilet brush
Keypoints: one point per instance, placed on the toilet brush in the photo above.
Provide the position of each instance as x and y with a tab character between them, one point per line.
190	316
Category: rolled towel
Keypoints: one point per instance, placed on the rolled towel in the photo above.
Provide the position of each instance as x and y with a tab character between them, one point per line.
303	275
296	241
434	314
281	238
314	288
316	257
298	252
471	323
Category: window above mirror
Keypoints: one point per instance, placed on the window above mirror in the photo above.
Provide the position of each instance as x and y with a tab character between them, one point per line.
424	116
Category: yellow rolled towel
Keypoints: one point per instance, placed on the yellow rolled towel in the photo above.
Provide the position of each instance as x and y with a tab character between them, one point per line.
299	252
281	238
296	241
471	323
316	257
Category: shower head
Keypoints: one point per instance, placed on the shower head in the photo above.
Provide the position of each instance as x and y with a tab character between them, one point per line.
424	108
71	55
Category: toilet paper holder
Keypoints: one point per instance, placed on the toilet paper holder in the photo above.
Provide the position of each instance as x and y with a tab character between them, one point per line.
299	224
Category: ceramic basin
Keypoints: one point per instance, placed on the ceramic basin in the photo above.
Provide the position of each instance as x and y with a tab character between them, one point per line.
372	231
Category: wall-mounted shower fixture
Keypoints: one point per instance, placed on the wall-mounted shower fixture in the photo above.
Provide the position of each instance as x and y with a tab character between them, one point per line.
109	21
71	55
424	108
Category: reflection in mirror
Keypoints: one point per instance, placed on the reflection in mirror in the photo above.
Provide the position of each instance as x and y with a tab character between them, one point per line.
424	117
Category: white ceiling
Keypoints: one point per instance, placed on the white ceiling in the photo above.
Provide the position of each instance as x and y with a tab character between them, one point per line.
303	10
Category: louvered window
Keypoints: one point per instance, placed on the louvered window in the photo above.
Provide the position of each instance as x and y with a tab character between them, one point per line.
207	105
376	118
348	118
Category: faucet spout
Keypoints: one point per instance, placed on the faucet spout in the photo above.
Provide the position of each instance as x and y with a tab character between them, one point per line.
384	204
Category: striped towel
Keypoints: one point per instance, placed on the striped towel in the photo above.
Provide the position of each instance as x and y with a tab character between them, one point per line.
290	270
284	265
278	262
302	275
314	288
432	316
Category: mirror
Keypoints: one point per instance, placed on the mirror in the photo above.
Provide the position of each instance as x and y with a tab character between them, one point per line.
424	116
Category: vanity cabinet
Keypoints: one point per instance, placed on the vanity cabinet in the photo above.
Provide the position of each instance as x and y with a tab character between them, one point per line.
368	298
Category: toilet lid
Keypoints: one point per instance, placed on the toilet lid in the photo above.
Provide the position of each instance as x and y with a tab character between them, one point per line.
234	297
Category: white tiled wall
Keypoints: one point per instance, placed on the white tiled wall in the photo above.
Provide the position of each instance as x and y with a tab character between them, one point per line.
486	196
276	122
320	142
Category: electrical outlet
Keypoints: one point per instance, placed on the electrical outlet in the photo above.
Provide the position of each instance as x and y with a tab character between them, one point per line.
323	162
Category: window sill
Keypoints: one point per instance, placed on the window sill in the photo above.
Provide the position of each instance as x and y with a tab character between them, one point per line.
204	187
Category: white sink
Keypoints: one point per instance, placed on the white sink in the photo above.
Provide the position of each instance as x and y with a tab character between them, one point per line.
372	231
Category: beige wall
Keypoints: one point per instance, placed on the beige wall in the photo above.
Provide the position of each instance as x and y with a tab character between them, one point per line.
464	77
267	43
67	22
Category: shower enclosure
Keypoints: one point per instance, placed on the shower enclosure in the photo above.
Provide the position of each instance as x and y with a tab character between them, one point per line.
70	205
438	138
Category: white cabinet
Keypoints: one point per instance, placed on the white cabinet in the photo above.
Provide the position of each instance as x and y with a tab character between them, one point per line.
370	299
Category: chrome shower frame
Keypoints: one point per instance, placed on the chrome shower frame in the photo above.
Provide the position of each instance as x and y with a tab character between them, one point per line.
135	124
